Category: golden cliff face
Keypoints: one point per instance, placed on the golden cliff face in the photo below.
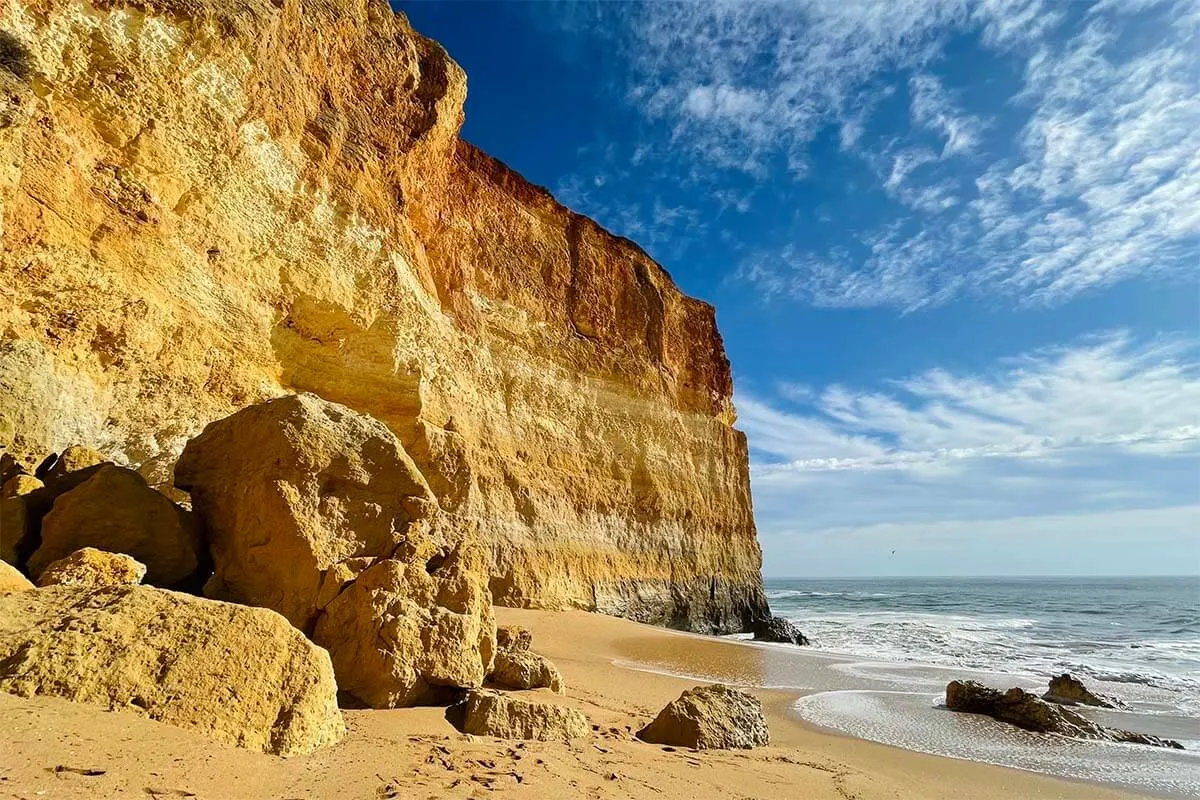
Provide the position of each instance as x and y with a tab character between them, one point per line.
205	203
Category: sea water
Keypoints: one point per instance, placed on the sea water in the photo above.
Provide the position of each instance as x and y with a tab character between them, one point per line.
1135	639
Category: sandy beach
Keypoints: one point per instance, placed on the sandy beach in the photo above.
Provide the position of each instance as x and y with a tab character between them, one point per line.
52	748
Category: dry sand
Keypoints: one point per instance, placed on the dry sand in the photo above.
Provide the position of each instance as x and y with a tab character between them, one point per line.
50	748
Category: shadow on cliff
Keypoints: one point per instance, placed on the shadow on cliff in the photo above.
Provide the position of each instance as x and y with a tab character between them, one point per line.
15	57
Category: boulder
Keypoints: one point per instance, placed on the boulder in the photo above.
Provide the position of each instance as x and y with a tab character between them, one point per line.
73	459
316	511
778	629
513	637
95	568
114	510
11	579
412	629
292	487
10	467
491	713
1069	691
19	485
240	675
27	499
1019	707
709	717
524	669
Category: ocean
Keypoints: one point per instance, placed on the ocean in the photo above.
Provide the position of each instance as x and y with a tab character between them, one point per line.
883	651
1136	639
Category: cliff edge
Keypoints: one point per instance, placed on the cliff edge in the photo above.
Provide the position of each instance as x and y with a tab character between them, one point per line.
205	203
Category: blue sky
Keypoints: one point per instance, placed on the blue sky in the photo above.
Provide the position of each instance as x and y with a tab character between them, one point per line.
954	250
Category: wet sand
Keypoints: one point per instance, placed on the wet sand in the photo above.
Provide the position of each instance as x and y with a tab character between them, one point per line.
47	745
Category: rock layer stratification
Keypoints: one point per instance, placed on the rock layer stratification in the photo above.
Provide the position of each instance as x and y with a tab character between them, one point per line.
206	204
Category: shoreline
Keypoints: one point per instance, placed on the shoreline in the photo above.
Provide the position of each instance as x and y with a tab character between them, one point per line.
905	695
418	754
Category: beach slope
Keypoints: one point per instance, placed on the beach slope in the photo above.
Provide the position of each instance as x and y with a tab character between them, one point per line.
51	748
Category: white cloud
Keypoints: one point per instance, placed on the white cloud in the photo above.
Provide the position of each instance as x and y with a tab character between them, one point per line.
933	107
1104	185
1053	441
743	82
1105	392
715	102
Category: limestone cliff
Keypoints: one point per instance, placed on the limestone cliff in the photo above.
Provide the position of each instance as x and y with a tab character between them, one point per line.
209	202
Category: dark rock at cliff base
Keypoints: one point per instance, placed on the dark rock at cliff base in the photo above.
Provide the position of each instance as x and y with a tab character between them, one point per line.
710	717
1019	707
1067	690
778	629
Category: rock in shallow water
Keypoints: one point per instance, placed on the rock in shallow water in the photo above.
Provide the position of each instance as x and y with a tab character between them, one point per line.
778	629
1019	707
1067	690
239	675
710	717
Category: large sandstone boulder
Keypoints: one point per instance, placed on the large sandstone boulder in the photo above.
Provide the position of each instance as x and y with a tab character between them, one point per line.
93	568
1068	690
114	510
408	630
524	669
317	512
11	579
290	488
25	499
240	675
778	629
709	717
1019	707
491	713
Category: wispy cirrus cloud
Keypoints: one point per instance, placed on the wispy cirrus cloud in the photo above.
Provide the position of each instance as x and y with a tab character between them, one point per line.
1107	391
1104	185
1088	175
1103	424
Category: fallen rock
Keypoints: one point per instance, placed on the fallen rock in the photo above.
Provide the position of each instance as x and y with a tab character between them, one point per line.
93	568
240	675
524	669
709	717
332	525
114	510
491	713
1025	710
10	467
19	485
73	459
513	637
1069	691
412	629
11	579
778	629
288	489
